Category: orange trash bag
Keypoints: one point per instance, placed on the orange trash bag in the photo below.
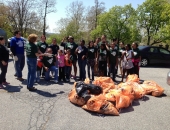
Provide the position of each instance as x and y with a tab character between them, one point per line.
100	105
100	80
105	82
107	86
133	78
127	90
75	99
139	91
153	88
122	101
112	94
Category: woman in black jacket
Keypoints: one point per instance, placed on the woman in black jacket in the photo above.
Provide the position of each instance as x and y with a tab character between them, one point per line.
4	57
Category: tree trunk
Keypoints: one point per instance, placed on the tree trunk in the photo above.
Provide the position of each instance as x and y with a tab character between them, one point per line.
44	27
149	38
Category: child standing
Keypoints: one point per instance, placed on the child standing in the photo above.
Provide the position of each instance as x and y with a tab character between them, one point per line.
61	65
68	64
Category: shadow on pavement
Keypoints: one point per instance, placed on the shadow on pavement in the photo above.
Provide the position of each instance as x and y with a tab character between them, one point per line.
128	109
48	94
12	89
163	95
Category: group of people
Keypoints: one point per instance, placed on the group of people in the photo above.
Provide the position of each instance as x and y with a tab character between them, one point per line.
101	57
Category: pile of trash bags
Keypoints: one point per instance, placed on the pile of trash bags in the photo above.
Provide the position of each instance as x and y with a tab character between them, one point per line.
104	97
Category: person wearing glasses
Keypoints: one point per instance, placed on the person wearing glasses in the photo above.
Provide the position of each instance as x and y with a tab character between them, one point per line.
17	48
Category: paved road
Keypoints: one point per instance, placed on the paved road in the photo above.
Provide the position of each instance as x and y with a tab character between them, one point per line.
50	109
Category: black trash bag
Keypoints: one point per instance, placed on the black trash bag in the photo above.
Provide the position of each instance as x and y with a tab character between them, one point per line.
82	90
94	89
85	95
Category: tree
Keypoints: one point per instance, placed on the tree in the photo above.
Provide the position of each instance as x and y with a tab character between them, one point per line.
118	22
22	15
46	7
153	17
75	13
93	13
4	24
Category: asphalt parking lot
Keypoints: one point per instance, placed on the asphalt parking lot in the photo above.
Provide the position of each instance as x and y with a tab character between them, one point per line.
50	109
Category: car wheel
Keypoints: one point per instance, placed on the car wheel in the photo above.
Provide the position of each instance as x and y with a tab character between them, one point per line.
144	62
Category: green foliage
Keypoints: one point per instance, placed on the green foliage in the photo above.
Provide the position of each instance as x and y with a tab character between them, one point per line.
153	18
118	22
51	36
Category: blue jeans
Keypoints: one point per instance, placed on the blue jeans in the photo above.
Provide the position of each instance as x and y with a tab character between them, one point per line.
19	65
53	69
38	73
82	66
68	71
32	65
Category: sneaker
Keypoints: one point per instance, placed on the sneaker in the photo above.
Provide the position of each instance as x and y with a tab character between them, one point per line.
5	83
32	89
1	86
20	79
56	81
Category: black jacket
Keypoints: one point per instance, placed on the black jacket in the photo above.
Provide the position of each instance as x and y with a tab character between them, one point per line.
4	53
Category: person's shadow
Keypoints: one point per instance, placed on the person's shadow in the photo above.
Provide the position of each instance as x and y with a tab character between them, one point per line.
12	89
48	94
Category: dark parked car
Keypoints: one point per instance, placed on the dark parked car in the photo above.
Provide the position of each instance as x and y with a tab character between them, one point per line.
154	55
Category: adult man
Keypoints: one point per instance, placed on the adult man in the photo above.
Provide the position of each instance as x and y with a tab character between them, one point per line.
49	64
42	46
72	46
106	43
17	48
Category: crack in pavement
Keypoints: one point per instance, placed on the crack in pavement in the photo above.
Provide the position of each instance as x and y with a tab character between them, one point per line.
42	104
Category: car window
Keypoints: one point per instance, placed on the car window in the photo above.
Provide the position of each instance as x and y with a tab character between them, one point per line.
164	51
153	50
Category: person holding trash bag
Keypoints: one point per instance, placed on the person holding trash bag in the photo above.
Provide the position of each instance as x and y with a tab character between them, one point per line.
4	57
